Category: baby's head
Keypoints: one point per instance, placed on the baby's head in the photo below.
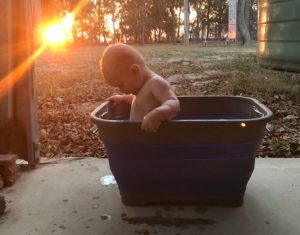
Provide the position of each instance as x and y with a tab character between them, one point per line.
122	66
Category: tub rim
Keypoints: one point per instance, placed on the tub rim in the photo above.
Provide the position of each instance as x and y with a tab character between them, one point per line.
267	115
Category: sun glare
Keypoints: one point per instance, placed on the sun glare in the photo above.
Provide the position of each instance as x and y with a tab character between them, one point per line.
59	33
52	34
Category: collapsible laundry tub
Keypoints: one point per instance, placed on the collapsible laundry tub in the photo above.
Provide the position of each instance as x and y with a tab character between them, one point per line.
205	155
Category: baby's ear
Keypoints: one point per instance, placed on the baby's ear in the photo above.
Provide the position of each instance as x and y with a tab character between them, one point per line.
135	69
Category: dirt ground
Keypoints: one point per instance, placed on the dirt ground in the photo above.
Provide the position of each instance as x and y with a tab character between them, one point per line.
68	88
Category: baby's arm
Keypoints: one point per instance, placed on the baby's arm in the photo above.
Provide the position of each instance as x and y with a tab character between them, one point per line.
168	109
117	99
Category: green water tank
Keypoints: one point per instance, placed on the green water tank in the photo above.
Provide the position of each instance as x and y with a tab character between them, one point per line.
279	34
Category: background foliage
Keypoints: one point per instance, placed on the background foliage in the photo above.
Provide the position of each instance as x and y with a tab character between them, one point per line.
147	21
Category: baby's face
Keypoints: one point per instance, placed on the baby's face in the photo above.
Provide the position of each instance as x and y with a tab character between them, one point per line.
128	78
126	81
124	84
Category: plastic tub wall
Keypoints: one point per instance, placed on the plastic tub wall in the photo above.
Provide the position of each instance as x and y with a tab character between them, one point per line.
206	155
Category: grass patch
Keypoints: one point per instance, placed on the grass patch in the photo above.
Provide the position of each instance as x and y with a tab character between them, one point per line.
166	70
280	145
175	51
267	87
259	81
241	62
168	54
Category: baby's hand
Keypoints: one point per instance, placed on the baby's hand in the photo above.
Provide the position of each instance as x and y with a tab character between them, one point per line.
115	100
151	123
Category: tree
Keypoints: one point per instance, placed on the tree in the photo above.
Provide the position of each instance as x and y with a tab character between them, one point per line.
52	8
143	6
171	6
253	19
149	21
196	25
100	25
242	17
130	20
221	17
157	19
180	7
186	22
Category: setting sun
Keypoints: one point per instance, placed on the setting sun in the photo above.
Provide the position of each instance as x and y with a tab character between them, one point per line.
59	33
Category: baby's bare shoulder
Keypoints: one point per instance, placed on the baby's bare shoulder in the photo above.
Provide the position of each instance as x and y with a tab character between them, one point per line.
158	81
161	88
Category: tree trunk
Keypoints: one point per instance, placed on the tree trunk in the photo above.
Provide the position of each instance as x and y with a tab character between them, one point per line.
143	22
173	36
179	23
241	22
197	33
220	23
186	22
113	21
208	21
247	13
159	35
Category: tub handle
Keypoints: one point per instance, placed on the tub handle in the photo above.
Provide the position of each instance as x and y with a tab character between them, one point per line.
257	111
269	128
94	129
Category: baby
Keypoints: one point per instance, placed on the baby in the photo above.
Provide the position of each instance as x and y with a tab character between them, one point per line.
151	98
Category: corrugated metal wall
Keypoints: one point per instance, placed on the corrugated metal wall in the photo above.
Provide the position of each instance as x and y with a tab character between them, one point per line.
279	34
18	120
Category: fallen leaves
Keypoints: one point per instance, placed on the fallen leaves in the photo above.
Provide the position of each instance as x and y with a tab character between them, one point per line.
69	89
66	132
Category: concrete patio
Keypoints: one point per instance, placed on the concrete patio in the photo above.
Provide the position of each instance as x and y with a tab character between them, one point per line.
66	196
